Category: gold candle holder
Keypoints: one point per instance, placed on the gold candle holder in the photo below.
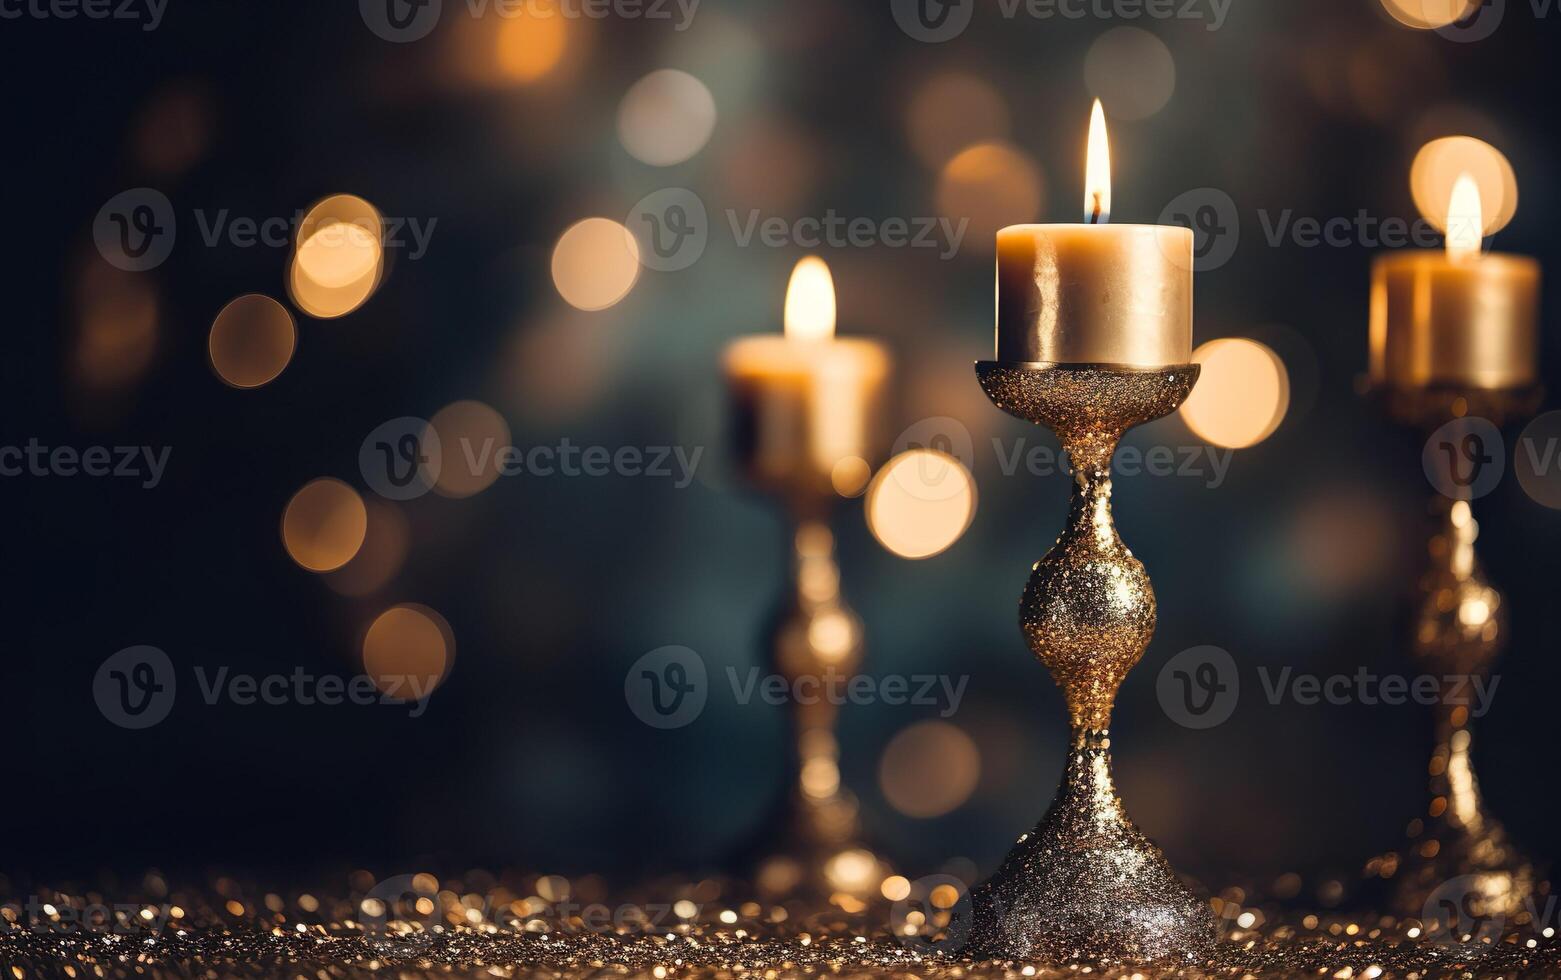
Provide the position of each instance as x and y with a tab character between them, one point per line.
1086	884
1458	853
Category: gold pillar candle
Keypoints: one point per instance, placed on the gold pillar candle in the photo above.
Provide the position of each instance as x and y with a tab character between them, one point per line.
1095	293
806	400
1455	318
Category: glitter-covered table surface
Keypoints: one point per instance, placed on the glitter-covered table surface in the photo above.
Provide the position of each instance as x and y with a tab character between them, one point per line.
529	926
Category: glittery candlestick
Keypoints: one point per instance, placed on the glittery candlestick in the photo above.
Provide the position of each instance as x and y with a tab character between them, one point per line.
1086	884
1459	861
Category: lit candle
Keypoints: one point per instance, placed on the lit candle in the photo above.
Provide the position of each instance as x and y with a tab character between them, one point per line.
1455	318
807	400
1095	293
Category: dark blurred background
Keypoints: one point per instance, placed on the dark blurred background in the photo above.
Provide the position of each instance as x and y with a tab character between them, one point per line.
528	755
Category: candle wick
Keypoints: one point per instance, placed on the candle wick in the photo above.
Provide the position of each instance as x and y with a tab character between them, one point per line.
1095	208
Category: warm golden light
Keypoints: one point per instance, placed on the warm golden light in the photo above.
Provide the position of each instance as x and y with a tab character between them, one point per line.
1464	222
595	264
531	44
1428	15
929	769
339	257
920	503
407	651
1097	170
252	340
385	544
989	185
324	525
1241	396
472	437
810	301
1442	162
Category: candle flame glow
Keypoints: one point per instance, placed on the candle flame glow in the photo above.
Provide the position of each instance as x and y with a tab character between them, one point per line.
810	301
1097	170
1465	222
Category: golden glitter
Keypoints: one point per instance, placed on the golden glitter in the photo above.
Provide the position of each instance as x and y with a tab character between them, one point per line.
1086	884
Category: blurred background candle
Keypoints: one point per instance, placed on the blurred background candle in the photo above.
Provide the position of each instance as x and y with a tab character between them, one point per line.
807	405
1095	293
1455	317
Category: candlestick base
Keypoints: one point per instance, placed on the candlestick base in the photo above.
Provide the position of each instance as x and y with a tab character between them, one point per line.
1086	884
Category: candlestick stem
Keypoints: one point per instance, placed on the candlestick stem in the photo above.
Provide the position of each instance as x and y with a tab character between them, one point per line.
1086	884
816	646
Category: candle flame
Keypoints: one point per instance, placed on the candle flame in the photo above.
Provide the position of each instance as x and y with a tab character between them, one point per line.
1465	222
810	301
1097	170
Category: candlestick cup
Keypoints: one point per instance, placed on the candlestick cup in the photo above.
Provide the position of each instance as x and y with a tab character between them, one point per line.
1086	884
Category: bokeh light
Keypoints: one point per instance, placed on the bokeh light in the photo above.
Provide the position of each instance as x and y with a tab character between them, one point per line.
1131	71
994	185
408	650
1241	396
850	476
386	541
951	111
595	263
252	340
920	503
1428	14
472	437
929	769
1441	162
174	129
339	258
324	525
116	335
666	117
530	43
